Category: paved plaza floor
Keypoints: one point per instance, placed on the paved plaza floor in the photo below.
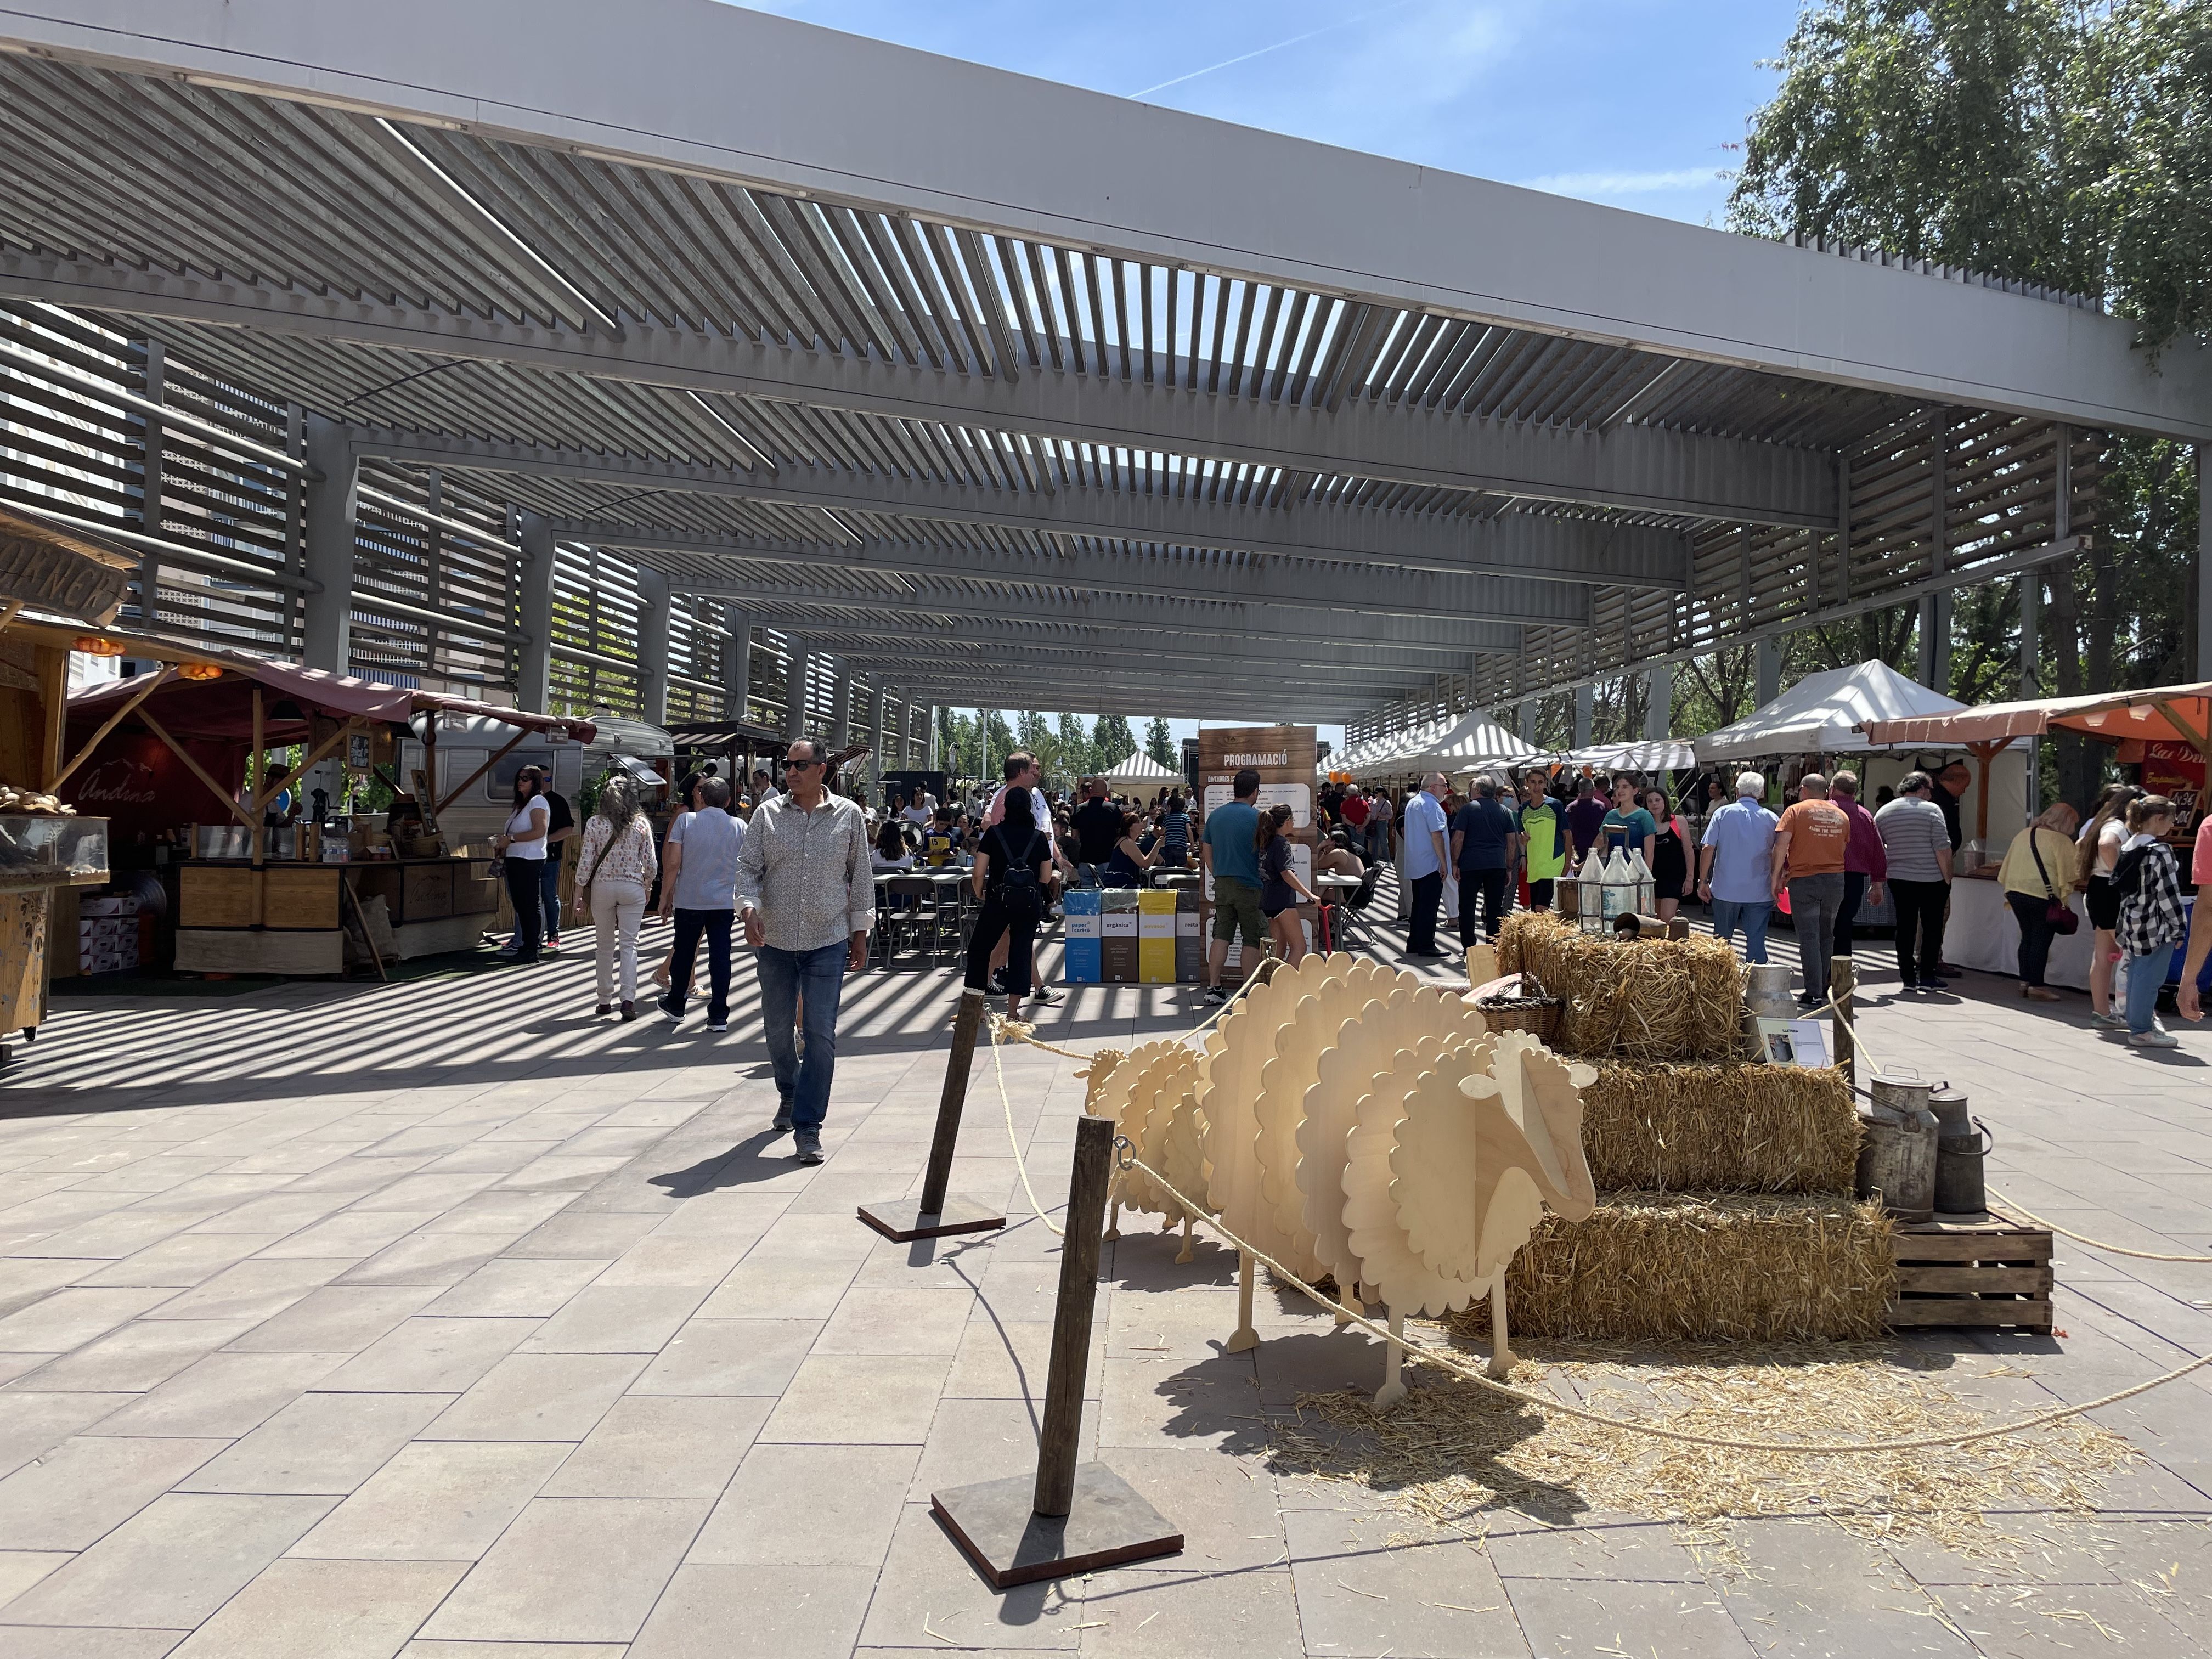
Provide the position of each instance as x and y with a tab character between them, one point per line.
443	1319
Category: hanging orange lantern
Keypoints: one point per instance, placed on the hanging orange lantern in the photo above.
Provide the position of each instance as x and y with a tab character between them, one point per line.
93	645
198	671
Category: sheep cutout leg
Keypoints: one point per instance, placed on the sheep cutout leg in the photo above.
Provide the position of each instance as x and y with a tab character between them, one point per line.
1502	1357
1243	1337
1348	1302
1394	1385
1184	1254
1114	1217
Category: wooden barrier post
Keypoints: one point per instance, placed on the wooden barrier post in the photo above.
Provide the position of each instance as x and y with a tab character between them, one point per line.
936	1214
1074	1518
1842	980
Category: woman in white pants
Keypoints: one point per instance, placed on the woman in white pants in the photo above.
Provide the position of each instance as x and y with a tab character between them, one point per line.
616	864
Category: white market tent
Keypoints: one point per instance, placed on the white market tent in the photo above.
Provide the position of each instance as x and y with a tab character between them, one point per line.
1652	755
1823	712
1140	768
1472	743
1386	757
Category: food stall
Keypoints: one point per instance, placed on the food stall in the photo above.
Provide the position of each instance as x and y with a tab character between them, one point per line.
54	583
2165	730
177	759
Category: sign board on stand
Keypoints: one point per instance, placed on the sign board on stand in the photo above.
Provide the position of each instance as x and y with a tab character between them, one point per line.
1284	756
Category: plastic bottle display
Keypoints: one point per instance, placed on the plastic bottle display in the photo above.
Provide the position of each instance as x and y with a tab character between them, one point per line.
1647	884
1618	891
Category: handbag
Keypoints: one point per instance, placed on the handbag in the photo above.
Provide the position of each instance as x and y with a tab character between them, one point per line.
2058	914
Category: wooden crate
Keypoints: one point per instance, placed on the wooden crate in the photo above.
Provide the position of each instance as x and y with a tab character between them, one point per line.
1980	1273
426	892
242	950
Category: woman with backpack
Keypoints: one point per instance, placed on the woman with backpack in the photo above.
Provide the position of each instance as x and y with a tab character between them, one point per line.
1014	860
2151	922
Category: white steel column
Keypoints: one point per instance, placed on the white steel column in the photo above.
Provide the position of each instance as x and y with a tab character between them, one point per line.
929	747
533	683
327	627
1585	710
1935	641
1528	720
654	619
1766	656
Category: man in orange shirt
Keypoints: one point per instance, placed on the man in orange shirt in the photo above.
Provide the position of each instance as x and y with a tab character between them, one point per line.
1810	842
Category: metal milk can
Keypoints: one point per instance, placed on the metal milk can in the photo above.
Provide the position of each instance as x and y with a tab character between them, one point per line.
1896	1149
1961	1144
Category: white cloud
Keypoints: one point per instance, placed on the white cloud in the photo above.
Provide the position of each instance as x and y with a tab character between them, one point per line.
1623	184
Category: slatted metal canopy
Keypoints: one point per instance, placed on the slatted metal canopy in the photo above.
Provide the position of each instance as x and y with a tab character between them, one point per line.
995	390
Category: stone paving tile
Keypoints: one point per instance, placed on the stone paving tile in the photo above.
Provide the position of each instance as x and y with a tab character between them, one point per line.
257	1289
634	1319
336	1319
572	1569
839	1399
1663	1620
730	1357
648	1447
422	1355
85	1486
321	1444
1362	1590
793	1506
1159	1612
31	1642
714	1612
223	1393
33	1424
183	1262
329	1609
71	1318
435	1501
172	1563
927	1585
538	1396
518	1287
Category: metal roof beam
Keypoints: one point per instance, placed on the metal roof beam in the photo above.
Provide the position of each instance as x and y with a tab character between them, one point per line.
1642	469
1117	616
913	132
1297	584
1537	545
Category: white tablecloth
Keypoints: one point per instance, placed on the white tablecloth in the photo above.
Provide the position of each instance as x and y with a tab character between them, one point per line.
1984	933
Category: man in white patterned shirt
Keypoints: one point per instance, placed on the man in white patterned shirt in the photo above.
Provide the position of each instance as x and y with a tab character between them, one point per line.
807	894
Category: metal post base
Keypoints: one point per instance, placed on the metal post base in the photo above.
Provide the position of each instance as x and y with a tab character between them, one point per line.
996	1523
901	1219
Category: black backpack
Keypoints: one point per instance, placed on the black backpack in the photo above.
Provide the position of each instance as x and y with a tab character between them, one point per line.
1018	885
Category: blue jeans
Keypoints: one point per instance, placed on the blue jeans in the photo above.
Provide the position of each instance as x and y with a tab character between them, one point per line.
818	976
1753	916
2145	979
548	889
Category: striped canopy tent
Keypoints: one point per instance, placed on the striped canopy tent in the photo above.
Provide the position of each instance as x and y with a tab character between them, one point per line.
1471	743
1140	768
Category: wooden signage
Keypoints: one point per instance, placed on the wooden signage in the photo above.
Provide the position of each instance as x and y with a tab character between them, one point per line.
1284	756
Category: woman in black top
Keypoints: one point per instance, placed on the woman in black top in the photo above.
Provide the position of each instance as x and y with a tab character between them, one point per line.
1670	859
1127	866
1014	860
1281	892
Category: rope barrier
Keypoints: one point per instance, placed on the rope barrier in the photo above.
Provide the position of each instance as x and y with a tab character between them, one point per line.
1421	1354
1417	1352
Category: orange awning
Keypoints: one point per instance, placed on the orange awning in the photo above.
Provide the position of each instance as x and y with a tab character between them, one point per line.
2167	713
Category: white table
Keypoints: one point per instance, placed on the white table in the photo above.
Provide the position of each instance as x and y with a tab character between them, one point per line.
1984	934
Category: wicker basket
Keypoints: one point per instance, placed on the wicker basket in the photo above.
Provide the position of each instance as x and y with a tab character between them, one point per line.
1538	1015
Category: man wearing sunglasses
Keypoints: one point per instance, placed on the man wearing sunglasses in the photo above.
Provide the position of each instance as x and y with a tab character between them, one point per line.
806	892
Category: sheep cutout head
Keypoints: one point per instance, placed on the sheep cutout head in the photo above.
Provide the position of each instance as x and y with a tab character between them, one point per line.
1475	1164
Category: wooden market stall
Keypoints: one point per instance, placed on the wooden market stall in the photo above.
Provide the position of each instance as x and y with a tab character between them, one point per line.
73	583
2166	730
178	758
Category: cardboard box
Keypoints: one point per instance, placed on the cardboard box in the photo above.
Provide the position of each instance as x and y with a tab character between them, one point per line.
1189	938
1079	935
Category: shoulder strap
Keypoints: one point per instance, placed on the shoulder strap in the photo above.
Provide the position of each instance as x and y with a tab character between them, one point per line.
607	847
2036	854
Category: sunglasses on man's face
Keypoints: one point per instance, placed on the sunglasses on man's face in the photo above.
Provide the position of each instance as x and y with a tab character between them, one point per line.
799	766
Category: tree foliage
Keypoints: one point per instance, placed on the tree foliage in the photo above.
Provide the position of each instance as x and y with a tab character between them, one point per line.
1160	743
1112	740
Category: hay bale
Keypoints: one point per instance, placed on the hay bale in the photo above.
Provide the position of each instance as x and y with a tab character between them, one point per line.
1727	1267
1647	1000
1738	1128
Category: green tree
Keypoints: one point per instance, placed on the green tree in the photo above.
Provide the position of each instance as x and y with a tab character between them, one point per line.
1160	743
1077	751
1112	740
2055	141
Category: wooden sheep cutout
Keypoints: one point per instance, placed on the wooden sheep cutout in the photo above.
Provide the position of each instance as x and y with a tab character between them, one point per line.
1285	1082
1148	1093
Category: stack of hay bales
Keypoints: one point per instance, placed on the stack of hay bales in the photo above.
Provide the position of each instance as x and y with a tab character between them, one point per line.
1725	1186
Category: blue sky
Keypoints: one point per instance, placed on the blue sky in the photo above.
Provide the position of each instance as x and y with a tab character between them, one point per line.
1630	102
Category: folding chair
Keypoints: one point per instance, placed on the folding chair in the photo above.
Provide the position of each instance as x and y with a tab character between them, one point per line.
1352	928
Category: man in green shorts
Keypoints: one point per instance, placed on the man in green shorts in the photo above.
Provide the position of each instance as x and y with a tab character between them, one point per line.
1233	862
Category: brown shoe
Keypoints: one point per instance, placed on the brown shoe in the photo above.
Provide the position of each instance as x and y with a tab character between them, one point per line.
629	1011
2039	994
605	1008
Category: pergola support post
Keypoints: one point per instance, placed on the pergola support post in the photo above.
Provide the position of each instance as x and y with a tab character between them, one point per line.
655	617
1766	660
795	666
533	680
1659	703
738	666
1585	712
327	556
